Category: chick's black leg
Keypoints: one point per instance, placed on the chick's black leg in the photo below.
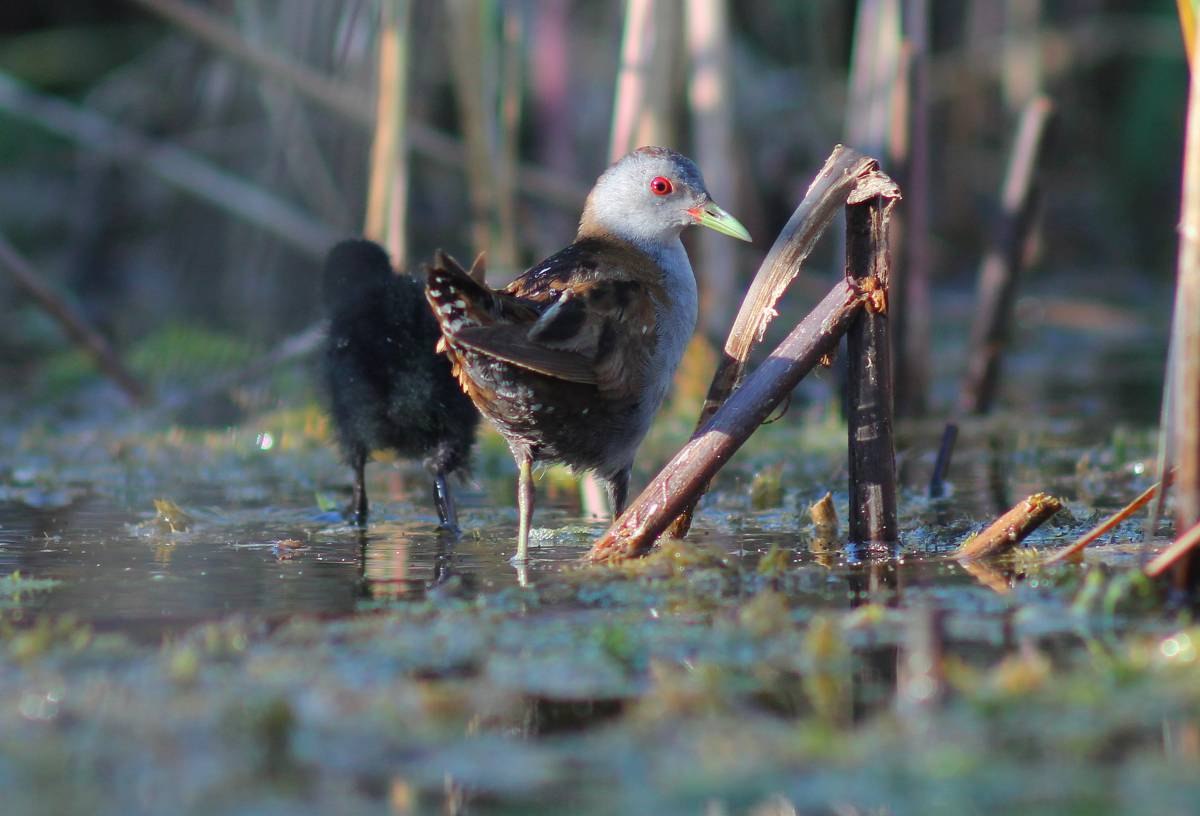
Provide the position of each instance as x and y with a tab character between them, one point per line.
443	499
358	504
618	491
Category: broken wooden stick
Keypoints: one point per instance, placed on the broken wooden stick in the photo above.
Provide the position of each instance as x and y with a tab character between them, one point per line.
687	475
1002	264
1109	523
72	322
1010	529
869	393
844	170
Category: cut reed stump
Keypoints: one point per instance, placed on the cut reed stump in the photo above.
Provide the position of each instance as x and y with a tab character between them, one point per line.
869	392
1010	529
844	171
1002	264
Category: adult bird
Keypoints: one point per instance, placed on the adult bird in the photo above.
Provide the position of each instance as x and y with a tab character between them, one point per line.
386	386
572	360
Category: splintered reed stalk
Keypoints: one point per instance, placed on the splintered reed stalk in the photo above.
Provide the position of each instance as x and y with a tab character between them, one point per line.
869	377
844	170
1011	528
688	473
1002	264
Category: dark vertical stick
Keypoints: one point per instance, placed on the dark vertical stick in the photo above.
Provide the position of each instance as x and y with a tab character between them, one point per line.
869	379
941	465
72	322
1001	265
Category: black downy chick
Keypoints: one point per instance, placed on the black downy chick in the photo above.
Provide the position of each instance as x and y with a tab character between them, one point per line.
387	388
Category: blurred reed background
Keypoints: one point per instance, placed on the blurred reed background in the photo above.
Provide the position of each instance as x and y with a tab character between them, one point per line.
174	170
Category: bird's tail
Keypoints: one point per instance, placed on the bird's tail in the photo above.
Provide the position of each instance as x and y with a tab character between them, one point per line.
457	297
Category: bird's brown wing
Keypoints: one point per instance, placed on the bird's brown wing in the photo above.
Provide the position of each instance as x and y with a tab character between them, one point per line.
585	315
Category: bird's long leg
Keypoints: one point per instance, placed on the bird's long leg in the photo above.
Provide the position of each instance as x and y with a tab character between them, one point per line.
524	504
443	499
618	492
358	504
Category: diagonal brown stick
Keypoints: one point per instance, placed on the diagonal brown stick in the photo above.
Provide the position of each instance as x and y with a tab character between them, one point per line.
72	322
687	475
844	170
1109	523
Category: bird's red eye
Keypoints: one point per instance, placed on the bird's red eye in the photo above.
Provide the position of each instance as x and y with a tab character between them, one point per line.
660	185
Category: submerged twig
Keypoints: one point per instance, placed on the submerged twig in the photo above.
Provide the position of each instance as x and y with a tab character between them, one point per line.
869	375
1002	264
1172	556
1109	523
844	170
687	475
941	465
1012	528
72	322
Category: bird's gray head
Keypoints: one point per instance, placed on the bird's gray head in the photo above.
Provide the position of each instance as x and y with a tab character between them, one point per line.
649	196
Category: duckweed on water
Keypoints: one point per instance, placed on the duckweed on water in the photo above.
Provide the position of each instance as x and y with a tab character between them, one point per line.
276	659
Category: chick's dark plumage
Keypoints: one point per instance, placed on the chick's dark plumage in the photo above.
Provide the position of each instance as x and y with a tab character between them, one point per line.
387	388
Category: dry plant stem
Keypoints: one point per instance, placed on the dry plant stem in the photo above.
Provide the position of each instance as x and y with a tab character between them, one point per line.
1002	264
687	474
345	101
872	454
844	170
1010	529
470	67
941	465
1184	358
1108	524
911	368
72	322
633	76
1171	558
179	168
711	102
1187	24
387	188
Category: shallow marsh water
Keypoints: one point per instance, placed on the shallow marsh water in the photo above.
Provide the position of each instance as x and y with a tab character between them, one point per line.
242	650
